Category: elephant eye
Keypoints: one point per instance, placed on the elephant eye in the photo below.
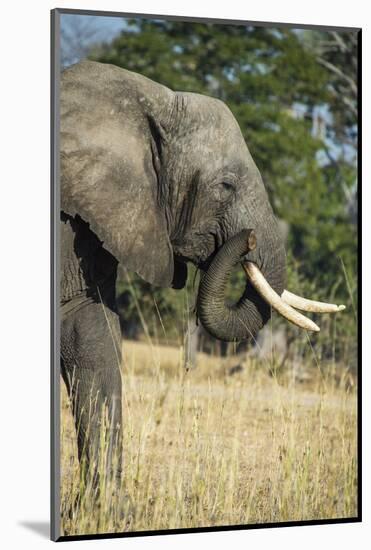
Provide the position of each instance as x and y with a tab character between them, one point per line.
224	190
228	186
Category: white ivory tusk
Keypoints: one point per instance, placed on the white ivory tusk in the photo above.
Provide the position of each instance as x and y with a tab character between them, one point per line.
309	305
271	297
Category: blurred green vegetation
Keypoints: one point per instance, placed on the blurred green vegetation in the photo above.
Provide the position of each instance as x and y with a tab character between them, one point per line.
293	95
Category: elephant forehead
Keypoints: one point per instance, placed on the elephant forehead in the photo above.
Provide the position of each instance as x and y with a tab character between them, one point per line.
221	147
213	132
204	107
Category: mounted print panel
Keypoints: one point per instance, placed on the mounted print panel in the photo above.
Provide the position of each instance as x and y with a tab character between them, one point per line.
205	233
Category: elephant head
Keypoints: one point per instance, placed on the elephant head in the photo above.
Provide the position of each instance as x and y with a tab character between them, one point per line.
164	178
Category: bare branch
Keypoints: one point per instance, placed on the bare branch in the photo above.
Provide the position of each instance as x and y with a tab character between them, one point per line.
339	72
338	38
351	104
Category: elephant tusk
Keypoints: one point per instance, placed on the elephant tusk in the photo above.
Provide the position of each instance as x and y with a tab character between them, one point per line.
271	297
309	305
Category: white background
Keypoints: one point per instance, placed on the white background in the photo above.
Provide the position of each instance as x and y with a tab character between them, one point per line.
24	271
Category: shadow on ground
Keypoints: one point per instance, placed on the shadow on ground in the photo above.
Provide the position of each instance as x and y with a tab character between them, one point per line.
41	528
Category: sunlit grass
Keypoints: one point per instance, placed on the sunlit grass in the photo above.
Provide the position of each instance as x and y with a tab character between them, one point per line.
205	448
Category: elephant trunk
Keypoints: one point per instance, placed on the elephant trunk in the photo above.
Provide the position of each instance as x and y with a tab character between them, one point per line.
245	318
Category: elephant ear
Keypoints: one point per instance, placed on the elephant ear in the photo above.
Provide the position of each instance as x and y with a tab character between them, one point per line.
118	200
108	176
122	212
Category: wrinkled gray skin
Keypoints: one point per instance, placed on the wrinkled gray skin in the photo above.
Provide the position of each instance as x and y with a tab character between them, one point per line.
153	179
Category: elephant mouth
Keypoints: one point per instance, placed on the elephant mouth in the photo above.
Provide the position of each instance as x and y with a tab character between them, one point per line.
180	274
245	318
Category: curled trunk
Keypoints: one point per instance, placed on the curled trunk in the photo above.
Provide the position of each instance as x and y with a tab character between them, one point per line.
245	318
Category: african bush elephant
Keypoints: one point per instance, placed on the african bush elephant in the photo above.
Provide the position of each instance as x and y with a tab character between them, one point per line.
154	179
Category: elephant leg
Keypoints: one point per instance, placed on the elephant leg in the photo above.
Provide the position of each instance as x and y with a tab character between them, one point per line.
90	350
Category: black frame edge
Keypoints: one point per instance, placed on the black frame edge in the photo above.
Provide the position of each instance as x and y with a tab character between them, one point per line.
54	279
359	274
190	19
214	529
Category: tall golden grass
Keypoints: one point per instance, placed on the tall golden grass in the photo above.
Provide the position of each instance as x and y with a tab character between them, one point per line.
207	448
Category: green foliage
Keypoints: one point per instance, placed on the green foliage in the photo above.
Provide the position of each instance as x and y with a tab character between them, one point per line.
272	81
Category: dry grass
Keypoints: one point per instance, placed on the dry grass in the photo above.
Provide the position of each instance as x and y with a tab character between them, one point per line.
206	448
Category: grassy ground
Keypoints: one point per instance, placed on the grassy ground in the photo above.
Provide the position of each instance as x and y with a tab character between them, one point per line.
206	448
